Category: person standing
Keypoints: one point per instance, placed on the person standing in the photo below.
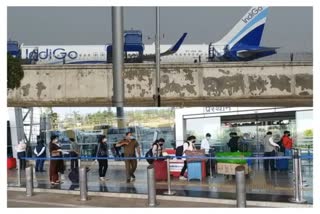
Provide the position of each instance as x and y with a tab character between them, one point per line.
21	154
61	166
233	142
102	152
269	151
74	154
287	143
206	146
188	145
131	147
55	151
40	152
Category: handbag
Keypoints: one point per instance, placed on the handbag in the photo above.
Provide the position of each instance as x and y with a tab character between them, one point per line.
55	153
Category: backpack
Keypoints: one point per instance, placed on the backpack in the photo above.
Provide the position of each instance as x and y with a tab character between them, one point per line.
179	150
150	154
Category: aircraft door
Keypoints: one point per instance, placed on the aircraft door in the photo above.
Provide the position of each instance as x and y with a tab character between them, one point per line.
34	56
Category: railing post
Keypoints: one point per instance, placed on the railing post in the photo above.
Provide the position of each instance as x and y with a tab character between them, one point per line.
241	186
18	173
83	184
151	186
297	170
169	192
29	181
210	165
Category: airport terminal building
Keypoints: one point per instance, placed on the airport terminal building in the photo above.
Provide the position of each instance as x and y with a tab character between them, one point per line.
251	122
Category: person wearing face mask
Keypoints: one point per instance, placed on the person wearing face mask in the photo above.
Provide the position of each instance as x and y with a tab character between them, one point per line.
269	151
131	147
206	146
55	151
188	145
157	148
102	152
287	143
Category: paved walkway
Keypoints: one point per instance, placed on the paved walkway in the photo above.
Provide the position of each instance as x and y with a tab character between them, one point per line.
261	186
19	199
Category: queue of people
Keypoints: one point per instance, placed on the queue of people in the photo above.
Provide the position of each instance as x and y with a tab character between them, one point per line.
131	149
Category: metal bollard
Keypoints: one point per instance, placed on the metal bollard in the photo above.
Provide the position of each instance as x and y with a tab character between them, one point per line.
298	191
83	184
169	192
151	186
241	186
18	173
29	181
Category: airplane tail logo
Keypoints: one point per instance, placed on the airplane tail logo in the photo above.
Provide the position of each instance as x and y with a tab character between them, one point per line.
248	31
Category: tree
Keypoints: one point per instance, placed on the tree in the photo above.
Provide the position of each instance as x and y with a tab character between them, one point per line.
308	133
14	72
54	120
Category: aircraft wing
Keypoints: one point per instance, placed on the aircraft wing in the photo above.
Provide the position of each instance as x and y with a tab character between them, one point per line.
172	50
249	51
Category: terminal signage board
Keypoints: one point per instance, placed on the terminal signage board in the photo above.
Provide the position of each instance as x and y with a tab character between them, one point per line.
218	109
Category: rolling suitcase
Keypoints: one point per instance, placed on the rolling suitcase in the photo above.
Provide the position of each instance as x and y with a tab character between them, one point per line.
195	170
160	170
282	164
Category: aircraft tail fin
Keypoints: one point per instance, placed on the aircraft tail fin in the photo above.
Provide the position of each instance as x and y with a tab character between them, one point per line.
248	31
175	47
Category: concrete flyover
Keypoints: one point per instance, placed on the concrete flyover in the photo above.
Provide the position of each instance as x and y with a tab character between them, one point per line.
206	84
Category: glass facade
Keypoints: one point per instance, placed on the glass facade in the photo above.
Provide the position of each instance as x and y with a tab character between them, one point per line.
253	127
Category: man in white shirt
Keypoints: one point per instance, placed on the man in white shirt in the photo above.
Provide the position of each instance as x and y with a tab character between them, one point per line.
269	151
206	146
205	143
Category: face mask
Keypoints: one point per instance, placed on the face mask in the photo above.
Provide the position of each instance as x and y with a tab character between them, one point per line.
104	140
55	140
208	138
288	135
131	137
